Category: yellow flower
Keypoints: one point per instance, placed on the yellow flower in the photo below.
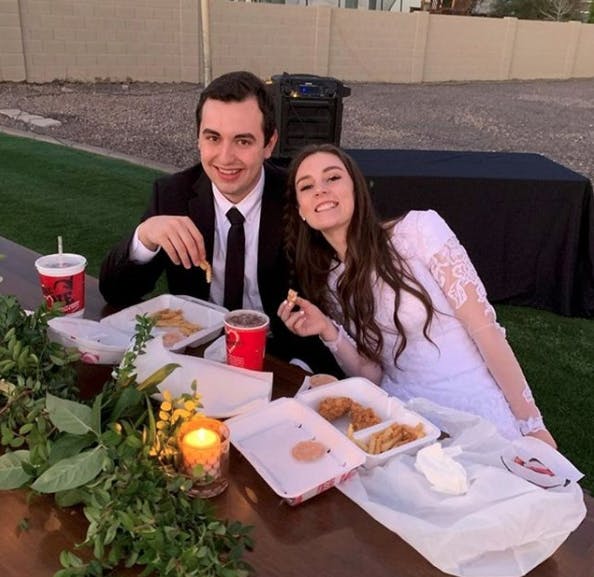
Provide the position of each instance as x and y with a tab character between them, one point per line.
166	406
180	414
167	396
161	425
163	415
190	405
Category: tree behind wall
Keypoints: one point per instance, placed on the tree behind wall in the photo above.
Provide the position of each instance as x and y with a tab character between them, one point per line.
557	10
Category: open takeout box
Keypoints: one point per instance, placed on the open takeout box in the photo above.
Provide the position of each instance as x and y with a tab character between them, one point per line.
267	436
106	341
389	409
208	316
97	343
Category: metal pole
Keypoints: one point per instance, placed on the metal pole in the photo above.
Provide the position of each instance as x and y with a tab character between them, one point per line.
205	20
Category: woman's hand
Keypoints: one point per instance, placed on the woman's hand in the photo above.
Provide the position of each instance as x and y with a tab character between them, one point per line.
307	321
545	436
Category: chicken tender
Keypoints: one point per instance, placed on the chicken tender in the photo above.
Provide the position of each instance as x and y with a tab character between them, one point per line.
332	408
363	417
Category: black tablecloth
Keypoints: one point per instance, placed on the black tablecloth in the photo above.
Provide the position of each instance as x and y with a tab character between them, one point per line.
526	221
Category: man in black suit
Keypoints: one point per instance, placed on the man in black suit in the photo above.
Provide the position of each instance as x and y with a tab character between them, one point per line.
187	221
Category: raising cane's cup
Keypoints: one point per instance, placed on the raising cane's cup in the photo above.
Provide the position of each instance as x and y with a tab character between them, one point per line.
62	278
245	338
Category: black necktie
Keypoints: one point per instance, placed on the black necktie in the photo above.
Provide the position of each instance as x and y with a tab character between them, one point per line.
235	261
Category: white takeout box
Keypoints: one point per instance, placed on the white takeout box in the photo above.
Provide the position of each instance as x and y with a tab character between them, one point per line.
97	344
225	391
208	315
106	341
266	436
388	409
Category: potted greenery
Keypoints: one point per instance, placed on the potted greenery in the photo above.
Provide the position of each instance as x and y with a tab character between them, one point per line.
112	455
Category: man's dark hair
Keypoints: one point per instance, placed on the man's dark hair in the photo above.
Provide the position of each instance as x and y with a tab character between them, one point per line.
237	87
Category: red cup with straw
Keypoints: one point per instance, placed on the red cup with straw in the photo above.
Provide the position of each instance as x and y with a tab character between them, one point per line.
62	279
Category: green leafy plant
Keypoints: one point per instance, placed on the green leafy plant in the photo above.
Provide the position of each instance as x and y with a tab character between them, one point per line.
111	455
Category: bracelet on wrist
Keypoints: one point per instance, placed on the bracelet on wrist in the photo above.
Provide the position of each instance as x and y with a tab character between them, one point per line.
531	425
333	345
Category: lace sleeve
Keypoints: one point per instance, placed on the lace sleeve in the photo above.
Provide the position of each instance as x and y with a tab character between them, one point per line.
458	279
461	284
350	361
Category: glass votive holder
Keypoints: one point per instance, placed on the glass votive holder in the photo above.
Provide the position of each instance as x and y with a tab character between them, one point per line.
204	446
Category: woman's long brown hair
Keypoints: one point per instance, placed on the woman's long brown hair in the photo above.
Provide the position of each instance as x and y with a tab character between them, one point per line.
369	252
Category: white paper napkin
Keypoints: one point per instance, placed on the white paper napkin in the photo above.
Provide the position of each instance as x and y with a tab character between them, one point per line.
440	469
503	526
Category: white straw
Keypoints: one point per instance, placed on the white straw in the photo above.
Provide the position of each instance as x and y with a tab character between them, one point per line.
60	245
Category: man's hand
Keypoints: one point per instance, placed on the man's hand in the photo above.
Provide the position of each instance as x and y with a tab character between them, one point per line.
307	321
178	236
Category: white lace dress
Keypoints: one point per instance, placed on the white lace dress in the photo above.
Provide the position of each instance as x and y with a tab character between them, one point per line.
469	350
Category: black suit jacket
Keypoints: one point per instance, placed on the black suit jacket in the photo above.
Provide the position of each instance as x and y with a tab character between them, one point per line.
189	193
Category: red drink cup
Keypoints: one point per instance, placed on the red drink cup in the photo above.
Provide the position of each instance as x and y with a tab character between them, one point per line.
62	278
245	337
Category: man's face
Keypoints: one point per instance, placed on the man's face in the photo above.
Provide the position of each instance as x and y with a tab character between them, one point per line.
231	144
63	292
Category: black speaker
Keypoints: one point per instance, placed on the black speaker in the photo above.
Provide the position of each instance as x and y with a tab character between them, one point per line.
308	111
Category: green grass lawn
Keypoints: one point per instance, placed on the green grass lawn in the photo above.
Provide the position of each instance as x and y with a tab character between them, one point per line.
48	190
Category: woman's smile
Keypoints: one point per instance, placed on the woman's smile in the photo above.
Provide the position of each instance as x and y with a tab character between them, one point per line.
325	206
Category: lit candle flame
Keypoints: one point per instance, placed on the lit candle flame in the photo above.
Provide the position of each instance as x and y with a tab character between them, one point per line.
201	439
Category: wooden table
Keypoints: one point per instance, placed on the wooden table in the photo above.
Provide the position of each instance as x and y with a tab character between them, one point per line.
328	535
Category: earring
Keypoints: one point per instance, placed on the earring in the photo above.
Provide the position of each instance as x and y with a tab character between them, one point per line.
303	218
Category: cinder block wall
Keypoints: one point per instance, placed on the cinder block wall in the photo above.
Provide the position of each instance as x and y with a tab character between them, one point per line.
12	58
373	46
161	40
268	38
154	40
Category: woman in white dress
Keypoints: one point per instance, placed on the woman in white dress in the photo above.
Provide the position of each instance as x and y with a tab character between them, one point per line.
400	304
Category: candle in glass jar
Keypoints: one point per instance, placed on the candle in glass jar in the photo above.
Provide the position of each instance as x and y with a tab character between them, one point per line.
202	447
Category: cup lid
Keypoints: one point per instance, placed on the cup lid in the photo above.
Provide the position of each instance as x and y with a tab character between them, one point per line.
64	264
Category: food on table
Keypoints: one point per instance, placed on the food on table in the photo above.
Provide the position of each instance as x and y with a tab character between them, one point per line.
308	451
393	436
172	338
534	465
332	408
292	296
321	379
175	319
363	417
205	266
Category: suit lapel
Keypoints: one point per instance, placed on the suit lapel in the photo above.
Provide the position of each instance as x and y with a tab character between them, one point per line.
201	211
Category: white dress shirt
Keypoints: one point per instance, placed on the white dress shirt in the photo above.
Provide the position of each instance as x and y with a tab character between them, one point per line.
251	208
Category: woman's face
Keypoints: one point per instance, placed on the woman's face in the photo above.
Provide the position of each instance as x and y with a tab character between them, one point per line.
325	193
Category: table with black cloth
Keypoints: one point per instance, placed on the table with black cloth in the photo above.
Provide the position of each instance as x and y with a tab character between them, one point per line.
526	221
